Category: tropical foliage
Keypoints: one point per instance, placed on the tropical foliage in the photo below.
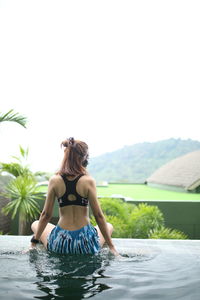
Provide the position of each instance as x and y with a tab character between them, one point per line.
145	218
19	167
22	190
12	116
167	233
14	169
136	221
24	194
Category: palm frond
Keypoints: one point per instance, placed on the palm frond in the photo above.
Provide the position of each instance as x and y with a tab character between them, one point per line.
14	169
12	116
24	197
24	152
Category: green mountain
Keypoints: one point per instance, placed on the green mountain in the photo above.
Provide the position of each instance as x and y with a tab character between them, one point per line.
137	162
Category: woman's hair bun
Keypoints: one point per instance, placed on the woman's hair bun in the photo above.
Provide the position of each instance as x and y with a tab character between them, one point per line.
71	141
68	142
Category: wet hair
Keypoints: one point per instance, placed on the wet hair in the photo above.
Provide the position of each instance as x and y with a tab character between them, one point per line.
75	158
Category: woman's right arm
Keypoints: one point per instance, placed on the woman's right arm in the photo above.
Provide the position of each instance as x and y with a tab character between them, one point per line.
99	216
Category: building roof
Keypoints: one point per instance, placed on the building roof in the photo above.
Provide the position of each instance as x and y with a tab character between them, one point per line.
183	171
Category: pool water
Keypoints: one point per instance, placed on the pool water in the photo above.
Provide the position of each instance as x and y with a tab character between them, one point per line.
148	269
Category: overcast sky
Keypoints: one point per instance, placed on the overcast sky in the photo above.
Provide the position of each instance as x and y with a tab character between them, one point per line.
111	73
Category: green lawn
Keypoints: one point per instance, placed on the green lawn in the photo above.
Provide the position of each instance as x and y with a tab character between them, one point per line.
141	192
144	192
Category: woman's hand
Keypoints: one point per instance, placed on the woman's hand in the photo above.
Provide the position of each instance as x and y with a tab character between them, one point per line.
114	251
31	247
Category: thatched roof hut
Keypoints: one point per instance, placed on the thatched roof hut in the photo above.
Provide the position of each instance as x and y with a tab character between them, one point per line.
182	172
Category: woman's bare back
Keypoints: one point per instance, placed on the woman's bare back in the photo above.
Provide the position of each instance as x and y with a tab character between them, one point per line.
72	217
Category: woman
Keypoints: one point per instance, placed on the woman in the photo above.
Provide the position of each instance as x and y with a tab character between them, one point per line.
74	189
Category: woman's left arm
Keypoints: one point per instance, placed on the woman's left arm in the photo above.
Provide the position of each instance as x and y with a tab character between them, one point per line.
47	210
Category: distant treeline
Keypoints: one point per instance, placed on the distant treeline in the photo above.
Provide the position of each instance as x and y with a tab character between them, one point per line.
137	162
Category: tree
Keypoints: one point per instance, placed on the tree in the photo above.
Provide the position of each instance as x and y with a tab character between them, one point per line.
12	116
19	167
24	194
22	190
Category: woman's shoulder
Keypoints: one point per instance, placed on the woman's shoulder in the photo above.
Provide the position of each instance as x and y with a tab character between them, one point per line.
55	179
88	179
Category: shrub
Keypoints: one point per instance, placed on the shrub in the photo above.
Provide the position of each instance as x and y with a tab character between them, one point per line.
131	221
117	213
120	227
144	219
116	207
167	233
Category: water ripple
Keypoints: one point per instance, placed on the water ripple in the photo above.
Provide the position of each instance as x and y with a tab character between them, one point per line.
142	272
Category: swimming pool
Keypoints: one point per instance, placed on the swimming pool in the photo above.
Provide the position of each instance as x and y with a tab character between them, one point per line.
149	269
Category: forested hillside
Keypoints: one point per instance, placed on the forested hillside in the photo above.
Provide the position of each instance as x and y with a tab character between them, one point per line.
137	162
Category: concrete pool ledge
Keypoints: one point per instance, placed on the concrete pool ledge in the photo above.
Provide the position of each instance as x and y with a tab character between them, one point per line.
16	243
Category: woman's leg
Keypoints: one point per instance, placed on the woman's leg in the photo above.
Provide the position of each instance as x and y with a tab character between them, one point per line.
45	233
102	240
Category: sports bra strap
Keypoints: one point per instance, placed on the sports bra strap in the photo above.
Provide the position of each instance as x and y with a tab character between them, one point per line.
74	181
71	190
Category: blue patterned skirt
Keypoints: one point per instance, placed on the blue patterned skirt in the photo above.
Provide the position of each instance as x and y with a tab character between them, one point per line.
82	241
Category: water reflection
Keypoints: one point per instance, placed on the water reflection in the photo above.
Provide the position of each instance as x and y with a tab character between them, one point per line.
69	277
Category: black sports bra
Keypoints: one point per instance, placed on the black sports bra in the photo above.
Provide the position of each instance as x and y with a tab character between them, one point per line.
71	197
